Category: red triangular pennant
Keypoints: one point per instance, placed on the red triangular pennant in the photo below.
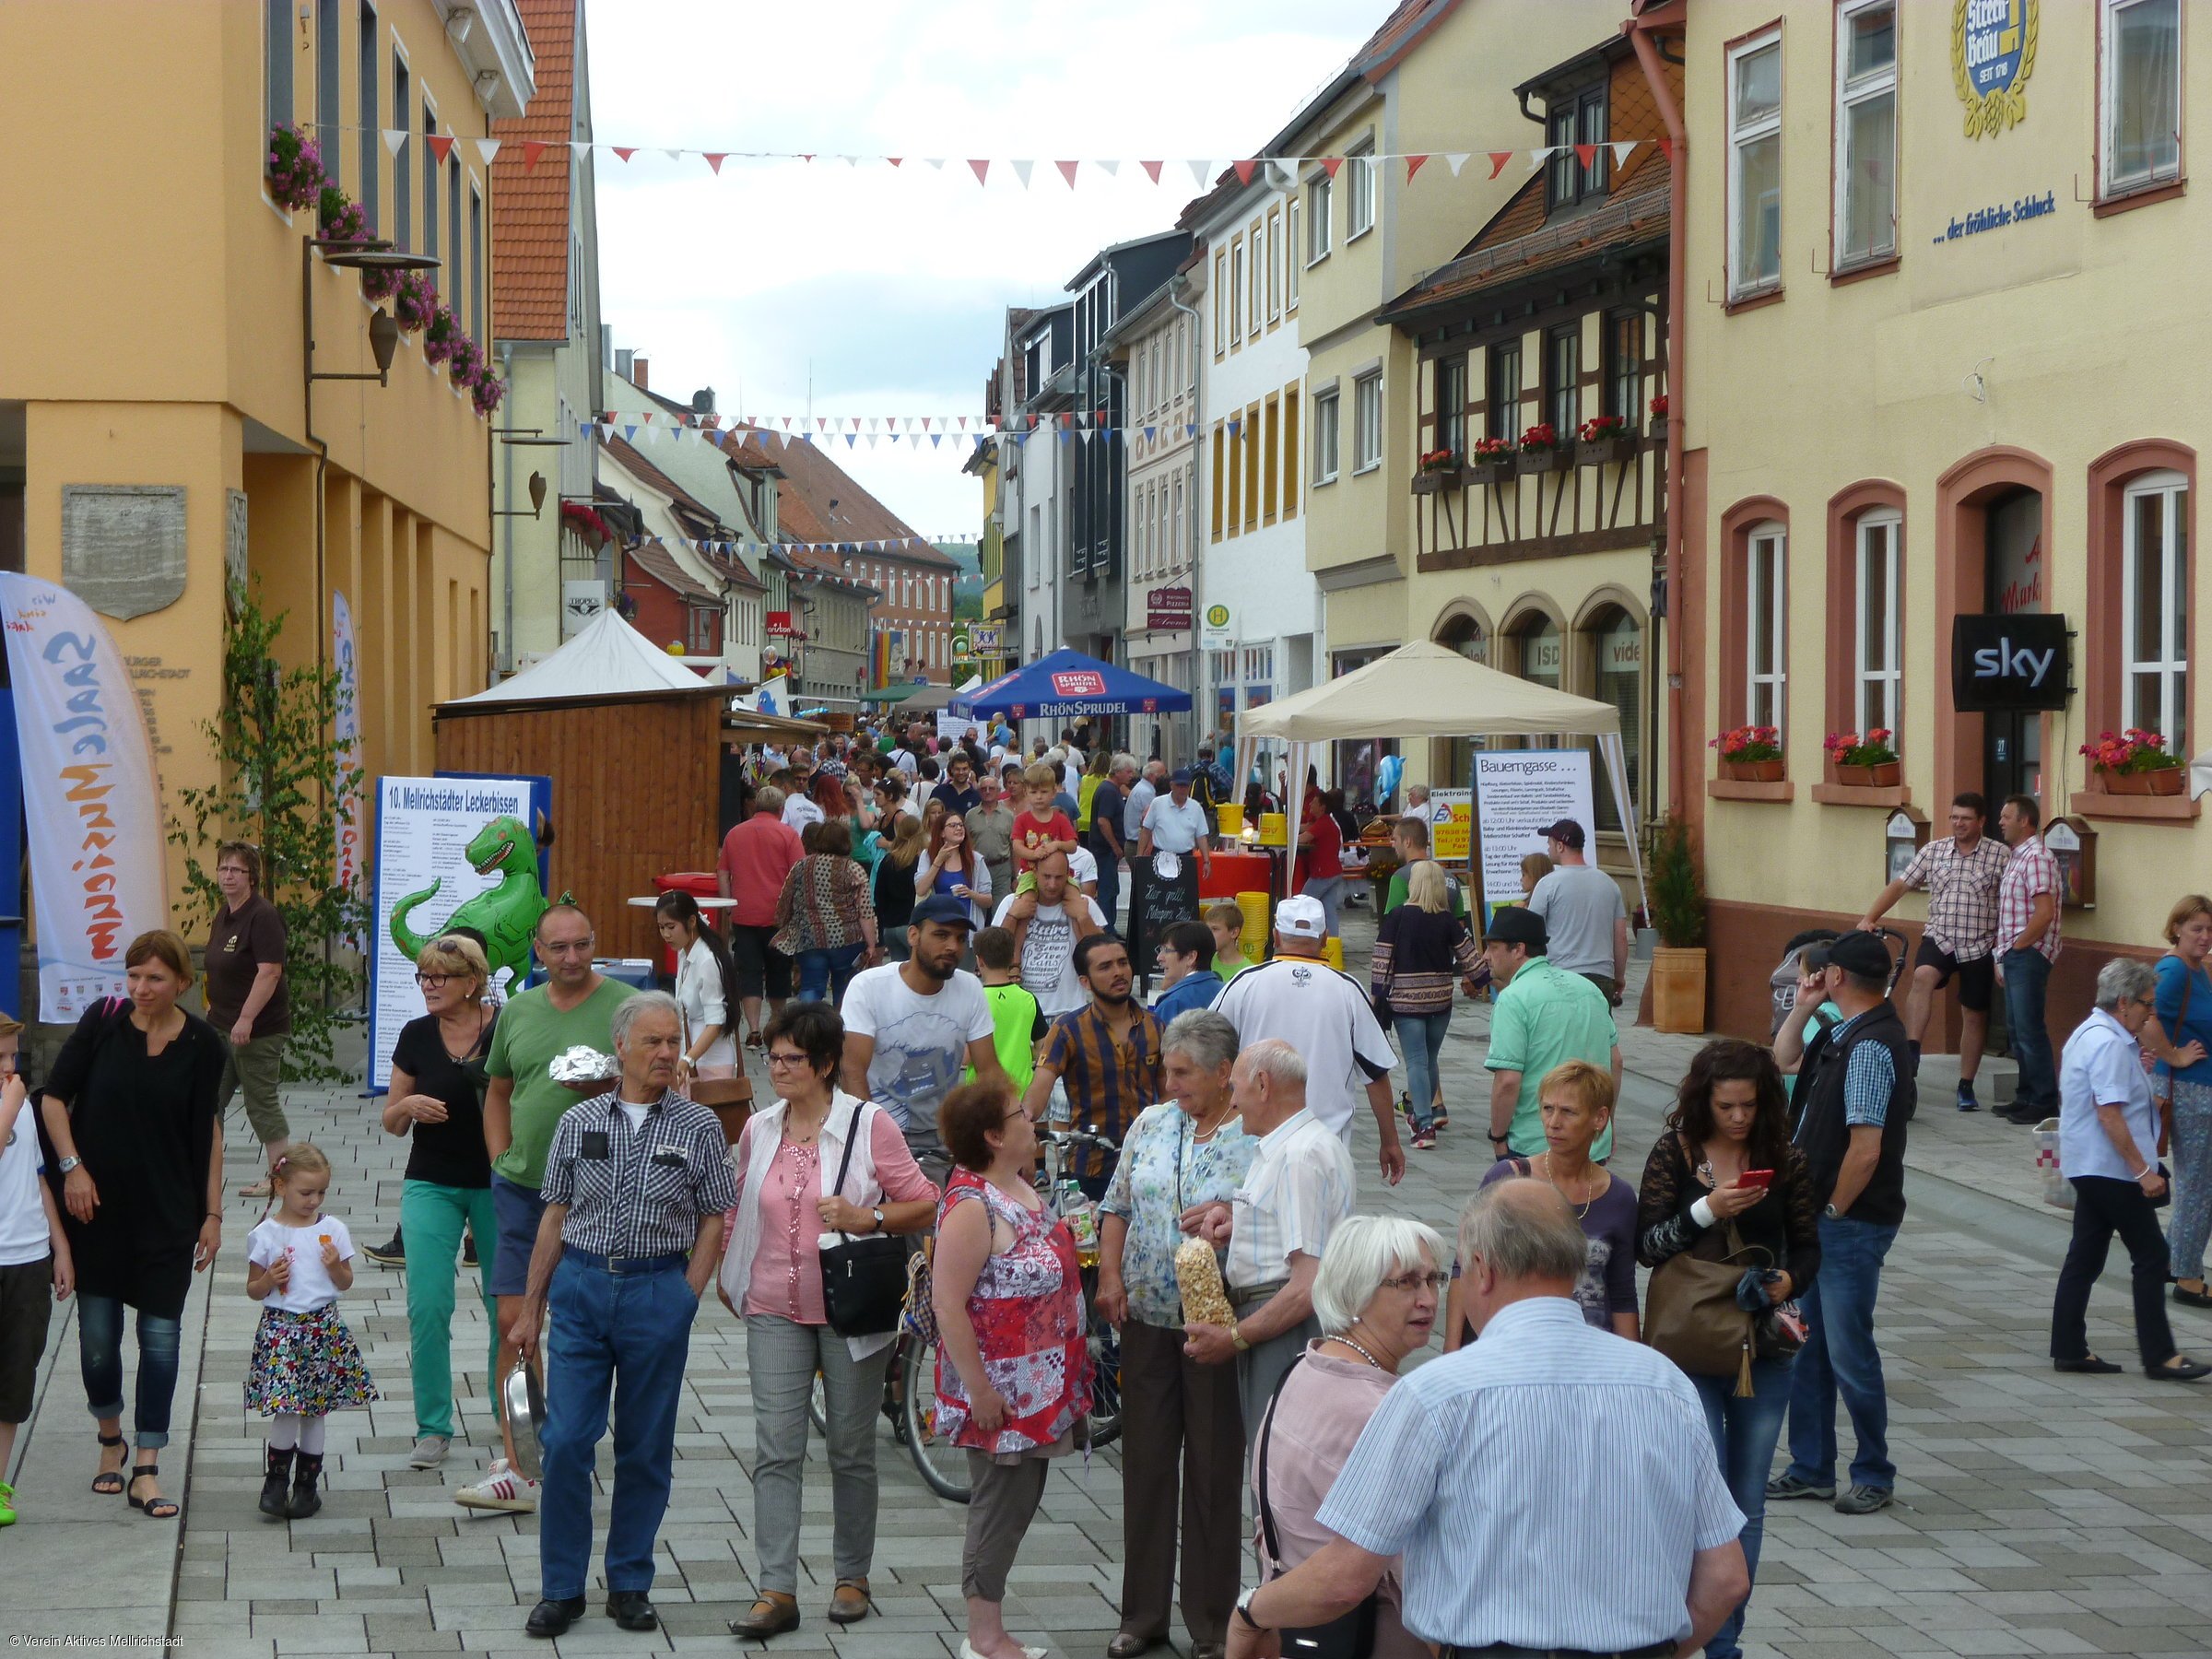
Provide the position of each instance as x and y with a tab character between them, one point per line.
1666	149
894	160
624	154
442	144
981	169
1586	154
1067	171
532	149
1152	168
715	158
1244	170
1413	165
1497	160
1329	164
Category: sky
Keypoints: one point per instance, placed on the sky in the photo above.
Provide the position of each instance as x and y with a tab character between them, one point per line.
884	288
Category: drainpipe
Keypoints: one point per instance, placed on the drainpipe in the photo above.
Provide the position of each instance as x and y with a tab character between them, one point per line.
1641	33
307	403
506	533
1199	712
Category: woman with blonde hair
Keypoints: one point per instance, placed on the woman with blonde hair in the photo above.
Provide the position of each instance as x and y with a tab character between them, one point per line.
1419	947
898	881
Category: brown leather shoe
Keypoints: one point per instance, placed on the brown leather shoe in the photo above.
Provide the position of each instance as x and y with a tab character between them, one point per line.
849	1604
1127	1645
773	1615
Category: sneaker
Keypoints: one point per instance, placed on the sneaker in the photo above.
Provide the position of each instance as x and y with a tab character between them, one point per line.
430	1452
1967	1103
503	1489
1425	1141
469	1250
1406	1106
394	1255
1865	1500
1785	1487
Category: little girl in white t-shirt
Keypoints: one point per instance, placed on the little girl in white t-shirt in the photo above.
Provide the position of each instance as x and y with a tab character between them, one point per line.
306	1364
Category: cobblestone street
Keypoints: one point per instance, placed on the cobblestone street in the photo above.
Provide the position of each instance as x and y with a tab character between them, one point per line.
2035	1515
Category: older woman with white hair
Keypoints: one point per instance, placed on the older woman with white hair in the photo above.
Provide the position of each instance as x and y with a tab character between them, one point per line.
1376	1299
2108	1145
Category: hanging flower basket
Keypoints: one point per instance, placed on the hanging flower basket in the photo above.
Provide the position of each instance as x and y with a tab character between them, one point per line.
1440	470
440	335
294	169
342	218
1604	439
585	520
1659	409
414	302
379	285
2135	762
487	392
464	362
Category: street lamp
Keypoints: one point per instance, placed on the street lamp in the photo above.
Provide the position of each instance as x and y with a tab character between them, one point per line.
538	500
383	331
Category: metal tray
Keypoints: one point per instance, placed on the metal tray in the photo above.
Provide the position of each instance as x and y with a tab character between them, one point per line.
525	1399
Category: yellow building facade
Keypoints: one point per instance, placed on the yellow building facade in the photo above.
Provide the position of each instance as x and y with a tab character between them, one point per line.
1942	407
157	427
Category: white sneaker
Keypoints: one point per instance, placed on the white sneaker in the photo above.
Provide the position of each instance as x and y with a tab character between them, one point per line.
430	1452
503	1489
968	1652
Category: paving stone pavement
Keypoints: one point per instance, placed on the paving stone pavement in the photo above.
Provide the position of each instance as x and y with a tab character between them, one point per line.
2036	1514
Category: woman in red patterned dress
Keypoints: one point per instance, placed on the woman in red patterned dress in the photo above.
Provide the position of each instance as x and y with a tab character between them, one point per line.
1013	1367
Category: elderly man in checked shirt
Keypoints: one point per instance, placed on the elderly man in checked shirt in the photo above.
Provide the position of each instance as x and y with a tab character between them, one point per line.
636	1183
1545	1486
1961	872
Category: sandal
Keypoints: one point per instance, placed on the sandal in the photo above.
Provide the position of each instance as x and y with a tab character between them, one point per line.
99	1480
156	1509
260	1189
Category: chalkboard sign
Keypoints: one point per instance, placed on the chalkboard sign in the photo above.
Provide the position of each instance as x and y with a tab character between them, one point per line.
1156	905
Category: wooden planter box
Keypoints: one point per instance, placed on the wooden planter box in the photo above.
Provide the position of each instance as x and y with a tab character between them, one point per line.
1431	482
1752	771
1887	775
1491	471
1659	429
1679	990
2170	782
1606	452
1543	460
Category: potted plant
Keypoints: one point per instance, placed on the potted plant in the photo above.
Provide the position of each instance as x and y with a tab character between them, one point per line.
2135	762
440	334
1678	904
378	284
488	391
1864	763
1492	460
414	302
1440	469
341	218
1751	754
294	169
1603	439
1541	451
465	360
1659	419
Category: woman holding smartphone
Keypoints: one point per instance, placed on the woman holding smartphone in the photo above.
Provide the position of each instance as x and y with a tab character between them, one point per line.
954	868
1725	1159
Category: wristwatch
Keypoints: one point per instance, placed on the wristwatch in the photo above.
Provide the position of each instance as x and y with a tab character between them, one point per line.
877	1213
1244	1610
1235	1335
1831	1212
68	1164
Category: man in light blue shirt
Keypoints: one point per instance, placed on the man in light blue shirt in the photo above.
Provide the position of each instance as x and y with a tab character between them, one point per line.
1558	1457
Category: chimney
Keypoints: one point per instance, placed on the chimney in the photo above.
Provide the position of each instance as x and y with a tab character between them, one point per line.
622	357
637	374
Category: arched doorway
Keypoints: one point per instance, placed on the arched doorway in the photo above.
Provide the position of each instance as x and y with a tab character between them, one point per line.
1463	633
1613	647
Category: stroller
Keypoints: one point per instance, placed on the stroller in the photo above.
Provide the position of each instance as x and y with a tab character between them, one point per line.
1783	983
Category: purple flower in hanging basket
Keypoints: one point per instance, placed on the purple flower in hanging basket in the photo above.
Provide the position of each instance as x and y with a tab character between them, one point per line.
438	338
466	358
414	302
342	218
487	392
378	286
295	168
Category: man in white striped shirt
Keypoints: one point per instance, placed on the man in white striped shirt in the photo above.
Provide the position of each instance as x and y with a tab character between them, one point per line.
1565	1464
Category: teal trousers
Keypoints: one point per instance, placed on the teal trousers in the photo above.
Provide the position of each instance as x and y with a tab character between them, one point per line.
430	1217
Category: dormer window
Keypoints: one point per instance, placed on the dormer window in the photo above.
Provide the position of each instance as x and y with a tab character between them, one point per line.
1572	118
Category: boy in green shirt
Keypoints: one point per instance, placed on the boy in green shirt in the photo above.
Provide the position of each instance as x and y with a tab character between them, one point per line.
1227	922
1018	1023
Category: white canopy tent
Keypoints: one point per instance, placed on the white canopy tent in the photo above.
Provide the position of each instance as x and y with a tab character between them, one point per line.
607	658
1425	689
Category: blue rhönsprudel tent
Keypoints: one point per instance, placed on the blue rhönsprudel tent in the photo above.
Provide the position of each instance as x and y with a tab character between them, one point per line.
1067	684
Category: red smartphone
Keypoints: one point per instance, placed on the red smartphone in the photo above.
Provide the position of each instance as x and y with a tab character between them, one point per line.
1761	1179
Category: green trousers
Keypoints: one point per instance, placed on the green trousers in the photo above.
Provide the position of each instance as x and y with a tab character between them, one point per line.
258	1068
430	1217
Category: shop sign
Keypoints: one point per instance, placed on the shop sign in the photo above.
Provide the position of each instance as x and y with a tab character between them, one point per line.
1215	635
1079	682
779	625
1168	607
983	638
2005	663
1993	53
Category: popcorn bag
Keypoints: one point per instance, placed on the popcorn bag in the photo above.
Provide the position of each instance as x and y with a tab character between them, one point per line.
1198	1277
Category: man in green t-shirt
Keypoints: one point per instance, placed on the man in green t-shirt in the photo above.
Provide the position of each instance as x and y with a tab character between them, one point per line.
522	1104
1544	1018
1409	837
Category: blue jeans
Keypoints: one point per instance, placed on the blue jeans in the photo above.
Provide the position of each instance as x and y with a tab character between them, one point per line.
1744	1433
1422	1038
624	1338
2027	975
1329	890
824	974
1110	884
1839	1357
99	1356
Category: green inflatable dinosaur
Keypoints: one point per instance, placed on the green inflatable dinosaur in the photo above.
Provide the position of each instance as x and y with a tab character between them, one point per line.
506	915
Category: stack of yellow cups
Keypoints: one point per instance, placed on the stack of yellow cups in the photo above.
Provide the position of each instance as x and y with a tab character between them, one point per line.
1332	952
1252	944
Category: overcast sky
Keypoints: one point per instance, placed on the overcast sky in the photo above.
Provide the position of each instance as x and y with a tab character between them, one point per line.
889	286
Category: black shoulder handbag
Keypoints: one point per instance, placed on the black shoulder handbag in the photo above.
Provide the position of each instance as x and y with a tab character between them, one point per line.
864	1276
1348	1635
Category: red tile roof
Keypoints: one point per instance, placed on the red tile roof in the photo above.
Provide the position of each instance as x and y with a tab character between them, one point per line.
812	480
530	205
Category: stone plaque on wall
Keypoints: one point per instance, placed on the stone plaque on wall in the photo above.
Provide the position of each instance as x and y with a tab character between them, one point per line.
234	547
123	546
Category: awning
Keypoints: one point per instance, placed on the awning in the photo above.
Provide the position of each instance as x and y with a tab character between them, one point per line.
1068	684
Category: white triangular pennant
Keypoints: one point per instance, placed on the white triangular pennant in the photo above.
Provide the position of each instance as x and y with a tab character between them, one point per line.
1457	160
1620	159
487	148
1021	172
393	138
1202	172
1536	158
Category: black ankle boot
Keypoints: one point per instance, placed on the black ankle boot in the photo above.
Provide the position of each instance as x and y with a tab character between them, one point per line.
273	1483
306	1497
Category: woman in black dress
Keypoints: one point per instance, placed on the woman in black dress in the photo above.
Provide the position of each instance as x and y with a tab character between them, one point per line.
131	1107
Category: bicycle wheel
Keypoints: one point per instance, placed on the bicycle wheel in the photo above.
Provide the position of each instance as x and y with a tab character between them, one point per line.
942	1466
1105	1383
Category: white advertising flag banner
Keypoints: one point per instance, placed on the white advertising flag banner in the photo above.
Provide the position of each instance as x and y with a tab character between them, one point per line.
1518	793
772	696
97	866
346	732
450	853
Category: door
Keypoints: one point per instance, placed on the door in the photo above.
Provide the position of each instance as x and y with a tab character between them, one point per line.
2012	743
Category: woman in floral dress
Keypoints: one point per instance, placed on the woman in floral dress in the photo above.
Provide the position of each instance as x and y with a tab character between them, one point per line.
1013	1364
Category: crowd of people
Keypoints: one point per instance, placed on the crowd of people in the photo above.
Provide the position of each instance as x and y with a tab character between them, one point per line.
928	979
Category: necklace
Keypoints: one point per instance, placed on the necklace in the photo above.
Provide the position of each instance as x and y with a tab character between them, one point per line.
1201	1134
813	1133
1589	1190
1347	1342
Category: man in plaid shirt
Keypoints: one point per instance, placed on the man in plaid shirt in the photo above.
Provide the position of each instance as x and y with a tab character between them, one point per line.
1962	874
2028	902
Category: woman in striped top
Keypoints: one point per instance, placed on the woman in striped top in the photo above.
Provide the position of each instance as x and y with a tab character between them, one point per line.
1418	949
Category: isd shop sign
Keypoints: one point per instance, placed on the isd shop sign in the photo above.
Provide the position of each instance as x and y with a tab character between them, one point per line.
2010	662
1993	53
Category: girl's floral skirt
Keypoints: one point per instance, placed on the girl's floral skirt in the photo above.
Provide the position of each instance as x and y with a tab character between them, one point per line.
306	1364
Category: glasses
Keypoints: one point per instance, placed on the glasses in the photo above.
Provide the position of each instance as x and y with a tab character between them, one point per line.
1433	1280
432	981
786	1060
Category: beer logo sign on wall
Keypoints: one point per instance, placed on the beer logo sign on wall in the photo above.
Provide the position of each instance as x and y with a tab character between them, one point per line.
1993	53
1079	682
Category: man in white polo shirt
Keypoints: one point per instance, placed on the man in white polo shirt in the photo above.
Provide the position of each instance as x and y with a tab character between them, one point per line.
1326	1017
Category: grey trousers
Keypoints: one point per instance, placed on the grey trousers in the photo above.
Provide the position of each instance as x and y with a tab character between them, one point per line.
1002	1501
1261	1367
782	1357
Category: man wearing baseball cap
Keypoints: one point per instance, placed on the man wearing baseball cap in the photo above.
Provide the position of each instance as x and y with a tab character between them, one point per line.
1544	1017
1584	916
1327	1017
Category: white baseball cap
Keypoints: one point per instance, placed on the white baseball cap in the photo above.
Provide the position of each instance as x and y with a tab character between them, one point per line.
1301	918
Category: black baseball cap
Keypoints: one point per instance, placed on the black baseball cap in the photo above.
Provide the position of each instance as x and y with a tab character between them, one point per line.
1567	832
945	908
1517	924
1861	954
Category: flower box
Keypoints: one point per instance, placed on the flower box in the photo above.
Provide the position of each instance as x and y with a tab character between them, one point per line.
2169	781
1887	775
1659	428
1605	451
1491	471
1752	771
1431	480
1543	460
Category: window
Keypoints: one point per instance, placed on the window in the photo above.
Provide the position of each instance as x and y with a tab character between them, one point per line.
1174	526
1367	422
1274	266
1220	303
1563	379
1571	118
1358	196
475	263
1452	405
1755	166
456	281
1325	437
1624	367
1318	190
403	182
2154	606
1158	386
1218	480
1290	254
1291	442
1235	475
372	145
1163	550
1615	644
1255	310
2141	96
330	132
1503	371
1252	431
1865	131
1880	676
443	277
699	635
276	66
1271	476
1236	293
1538	648
1768	681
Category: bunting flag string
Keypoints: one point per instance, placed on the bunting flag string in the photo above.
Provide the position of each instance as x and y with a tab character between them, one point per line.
783	430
